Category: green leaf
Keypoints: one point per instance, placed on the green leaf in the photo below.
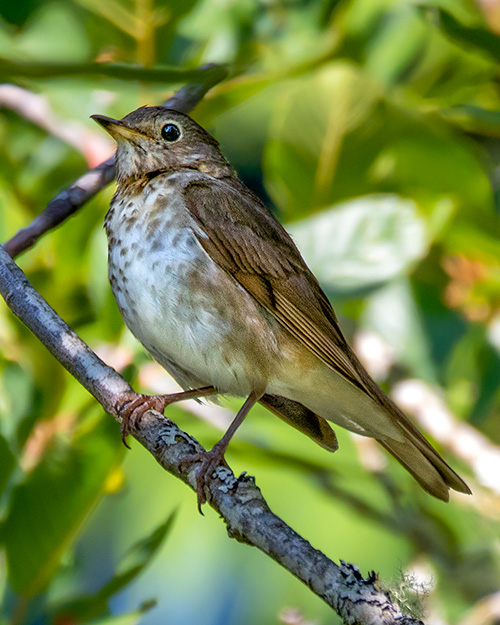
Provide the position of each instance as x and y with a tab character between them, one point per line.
397	47
132	565
314	116
362	243
126	619
473	376
392	313
7	463
478	37
474	119
48	507
10	70
18	13
335	137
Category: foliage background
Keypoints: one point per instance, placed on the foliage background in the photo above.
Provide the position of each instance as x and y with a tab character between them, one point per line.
371	127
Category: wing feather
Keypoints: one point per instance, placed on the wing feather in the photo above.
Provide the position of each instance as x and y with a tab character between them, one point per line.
248	243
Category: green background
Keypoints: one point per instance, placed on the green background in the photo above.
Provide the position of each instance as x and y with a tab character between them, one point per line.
371	128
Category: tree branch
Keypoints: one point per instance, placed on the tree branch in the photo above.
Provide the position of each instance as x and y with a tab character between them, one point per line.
36	108
239	501
11	70
71	199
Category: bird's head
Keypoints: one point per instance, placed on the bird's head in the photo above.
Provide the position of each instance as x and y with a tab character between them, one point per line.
153	139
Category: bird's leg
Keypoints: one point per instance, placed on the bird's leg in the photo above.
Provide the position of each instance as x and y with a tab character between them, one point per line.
133	407
210	460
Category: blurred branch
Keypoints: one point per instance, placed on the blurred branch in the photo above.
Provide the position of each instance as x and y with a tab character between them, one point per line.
13	70
62	206
485	612
237	500
293	617
36	109
466	442
71	199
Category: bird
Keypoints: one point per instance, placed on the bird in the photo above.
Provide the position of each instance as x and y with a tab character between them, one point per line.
215	289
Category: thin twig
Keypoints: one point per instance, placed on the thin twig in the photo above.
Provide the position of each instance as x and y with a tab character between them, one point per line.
71	199
471	446
36	108
62	206
13	70
238	500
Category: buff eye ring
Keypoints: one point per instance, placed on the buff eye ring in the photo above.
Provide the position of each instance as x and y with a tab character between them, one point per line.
170	132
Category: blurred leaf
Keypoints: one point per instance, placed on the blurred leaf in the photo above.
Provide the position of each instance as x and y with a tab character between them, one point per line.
18	12
126	619
392	313
48	385
7	463
362	243
398	46
16	396
336	137
313	117
54	31
131	566
479	37
114	11
13	70
474	119
463	371
428	160
48	507
141	553
472	376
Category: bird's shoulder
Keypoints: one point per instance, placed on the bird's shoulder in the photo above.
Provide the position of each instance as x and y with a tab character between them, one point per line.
227	209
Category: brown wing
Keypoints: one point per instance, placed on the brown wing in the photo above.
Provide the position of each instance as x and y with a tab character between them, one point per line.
253	247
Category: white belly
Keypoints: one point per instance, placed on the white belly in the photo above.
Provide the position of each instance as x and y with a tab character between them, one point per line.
182	325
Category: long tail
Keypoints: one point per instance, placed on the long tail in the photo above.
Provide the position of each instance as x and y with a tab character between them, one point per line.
420	459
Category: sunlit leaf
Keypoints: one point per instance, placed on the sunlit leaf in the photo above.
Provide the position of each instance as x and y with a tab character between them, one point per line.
397	46
362	243
474	119
339	136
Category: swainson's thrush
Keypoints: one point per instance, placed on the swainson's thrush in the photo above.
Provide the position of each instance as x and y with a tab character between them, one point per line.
215	289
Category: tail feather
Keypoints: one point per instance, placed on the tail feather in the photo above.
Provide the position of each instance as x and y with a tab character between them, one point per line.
412	449
424	463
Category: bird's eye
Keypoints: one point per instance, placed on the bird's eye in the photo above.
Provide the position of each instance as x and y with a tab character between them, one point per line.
170	132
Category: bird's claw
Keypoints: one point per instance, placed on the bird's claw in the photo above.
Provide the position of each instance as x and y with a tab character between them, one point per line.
209	461
132	409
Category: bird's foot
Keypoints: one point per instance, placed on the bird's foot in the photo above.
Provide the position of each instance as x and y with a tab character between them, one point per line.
133	408
210	460
135	405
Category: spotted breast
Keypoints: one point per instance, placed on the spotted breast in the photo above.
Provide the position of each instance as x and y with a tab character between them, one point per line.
168	291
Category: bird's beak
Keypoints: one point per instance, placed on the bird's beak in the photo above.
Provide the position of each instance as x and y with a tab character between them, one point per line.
116	127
